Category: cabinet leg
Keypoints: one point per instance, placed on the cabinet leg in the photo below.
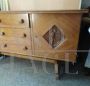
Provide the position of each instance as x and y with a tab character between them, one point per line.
2	57
61	69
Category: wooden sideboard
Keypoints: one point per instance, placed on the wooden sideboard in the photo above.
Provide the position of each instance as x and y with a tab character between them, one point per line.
40	35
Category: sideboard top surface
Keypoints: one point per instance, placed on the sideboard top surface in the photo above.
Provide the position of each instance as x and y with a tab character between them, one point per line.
48	11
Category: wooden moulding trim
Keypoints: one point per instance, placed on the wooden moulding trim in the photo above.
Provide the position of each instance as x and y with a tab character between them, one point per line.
27	57
34	57
48	11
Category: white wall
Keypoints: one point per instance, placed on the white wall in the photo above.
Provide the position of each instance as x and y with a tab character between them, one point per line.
44	4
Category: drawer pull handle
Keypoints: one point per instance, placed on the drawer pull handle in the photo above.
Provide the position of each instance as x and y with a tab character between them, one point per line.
3	33
0	20
24	35
22	21
5	45
26	48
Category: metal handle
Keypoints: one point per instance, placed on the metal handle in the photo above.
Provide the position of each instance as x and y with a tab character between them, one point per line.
5	45
0	20
24	35
3	33
22	21
25	48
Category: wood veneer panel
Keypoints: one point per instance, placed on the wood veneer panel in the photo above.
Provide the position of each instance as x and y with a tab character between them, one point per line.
70	26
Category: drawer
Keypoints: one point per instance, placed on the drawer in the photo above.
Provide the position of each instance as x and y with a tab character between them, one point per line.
14	20
10	46
16	33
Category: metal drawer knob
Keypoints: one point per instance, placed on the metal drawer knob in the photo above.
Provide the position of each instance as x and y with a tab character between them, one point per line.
5	45
24	35
3	33
0	20
26	48
22	21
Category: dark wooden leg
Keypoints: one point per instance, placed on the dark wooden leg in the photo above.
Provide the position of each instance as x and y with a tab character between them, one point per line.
2	56
61	69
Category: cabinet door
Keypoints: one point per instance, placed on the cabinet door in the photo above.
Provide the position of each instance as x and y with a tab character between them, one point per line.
55	34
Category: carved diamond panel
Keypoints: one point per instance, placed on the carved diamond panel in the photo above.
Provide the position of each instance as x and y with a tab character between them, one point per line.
54	36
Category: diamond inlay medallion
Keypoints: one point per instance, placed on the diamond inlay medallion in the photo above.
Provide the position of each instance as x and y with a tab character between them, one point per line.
54	36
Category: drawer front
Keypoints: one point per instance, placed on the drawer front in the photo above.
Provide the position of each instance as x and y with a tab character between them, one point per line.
10	46
6	33
14	20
